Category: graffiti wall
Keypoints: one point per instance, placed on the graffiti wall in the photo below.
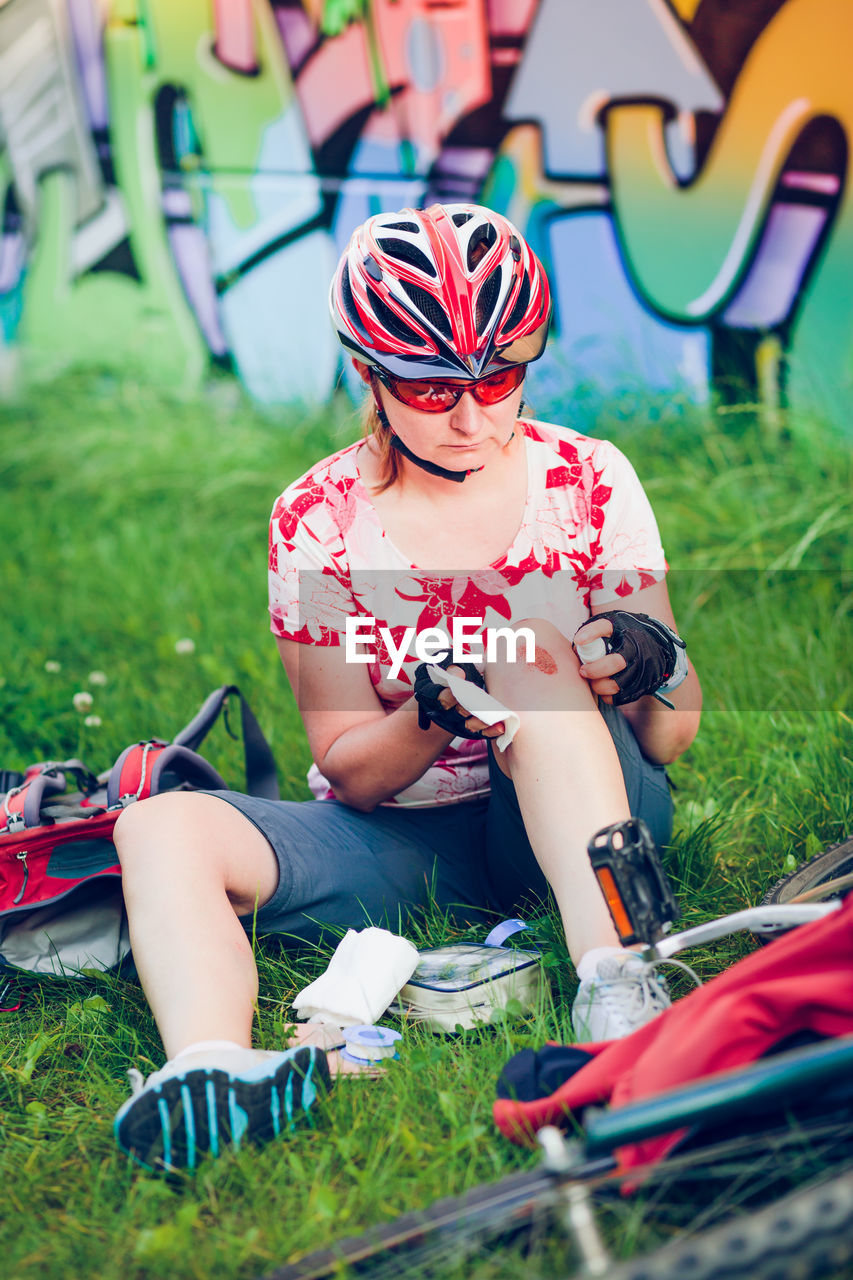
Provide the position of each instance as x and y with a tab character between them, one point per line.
178	179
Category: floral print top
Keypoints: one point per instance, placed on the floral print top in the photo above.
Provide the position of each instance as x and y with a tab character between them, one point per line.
587	537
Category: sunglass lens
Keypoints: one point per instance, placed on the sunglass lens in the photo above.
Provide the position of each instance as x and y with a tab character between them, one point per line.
429	397
438	397
499	385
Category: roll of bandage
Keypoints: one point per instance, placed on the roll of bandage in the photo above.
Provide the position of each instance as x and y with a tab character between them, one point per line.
592	650
370	1044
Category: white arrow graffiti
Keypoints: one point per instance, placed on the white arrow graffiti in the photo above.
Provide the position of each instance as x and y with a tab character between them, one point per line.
581	55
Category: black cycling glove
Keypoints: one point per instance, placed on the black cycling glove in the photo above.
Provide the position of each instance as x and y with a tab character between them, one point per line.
654	655
430	710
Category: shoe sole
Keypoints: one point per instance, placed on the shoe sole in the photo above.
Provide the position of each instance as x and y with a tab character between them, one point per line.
172	1125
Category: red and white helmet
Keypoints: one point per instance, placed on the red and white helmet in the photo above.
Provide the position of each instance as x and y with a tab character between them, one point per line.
452	291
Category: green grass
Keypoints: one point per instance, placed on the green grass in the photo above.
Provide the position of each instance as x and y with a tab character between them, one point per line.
130	521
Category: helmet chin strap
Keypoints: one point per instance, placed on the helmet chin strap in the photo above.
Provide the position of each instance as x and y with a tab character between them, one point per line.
432	467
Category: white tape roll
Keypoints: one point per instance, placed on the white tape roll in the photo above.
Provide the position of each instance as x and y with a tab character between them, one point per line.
370	1044
592	650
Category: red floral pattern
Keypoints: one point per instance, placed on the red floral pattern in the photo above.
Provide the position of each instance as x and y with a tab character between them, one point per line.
588	537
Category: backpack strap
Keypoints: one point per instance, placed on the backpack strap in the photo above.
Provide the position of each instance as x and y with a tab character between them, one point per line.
85	779
141	768
261	776
187	766
129	777
22	805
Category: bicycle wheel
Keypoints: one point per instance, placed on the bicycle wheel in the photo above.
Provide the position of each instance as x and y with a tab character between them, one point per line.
753	1135
519	1226
432	1240
808	1233
828	874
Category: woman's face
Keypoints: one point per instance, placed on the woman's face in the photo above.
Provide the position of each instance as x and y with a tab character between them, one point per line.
464	438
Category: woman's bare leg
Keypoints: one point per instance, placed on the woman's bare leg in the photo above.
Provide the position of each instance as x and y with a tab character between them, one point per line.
567	777
191	864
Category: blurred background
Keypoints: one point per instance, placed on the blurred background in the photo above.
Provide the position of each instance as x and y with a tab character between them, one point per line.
177	181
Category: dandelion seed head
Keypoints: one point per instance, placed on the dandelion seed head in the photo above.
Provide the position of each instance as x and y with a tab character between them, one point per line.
184	646
83	700
93	722
52	666
97	677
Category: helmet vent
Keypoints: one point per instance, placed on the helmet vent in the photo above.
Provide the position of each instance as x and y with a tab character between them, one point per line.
480	243
487	299
461	218
349	304
517	314
392	322
404	251
429	307
372	267
411	227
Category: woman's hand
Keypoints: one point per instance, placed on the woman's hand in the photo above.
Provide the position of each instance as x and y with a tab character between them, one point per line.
598	666
663	732
438	705
651	653
474	726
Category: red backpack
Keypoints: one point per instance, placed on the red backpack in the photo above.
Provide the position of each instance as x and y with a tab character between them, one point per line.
61	907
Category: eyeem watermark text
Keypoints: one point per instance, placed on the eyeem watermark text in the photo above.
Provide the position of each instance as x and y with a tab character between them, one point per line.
465	642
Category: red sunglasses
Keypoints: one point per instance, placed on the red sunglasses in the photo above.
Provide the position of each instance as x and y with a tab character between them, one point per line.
437	397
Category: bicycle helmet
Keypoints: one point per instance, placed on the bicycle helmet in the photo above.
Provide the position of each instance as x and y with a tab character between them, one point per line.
452	291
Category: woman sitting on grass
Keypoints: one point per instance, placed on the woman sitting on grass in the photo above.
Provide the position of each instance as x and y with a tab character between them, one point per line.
454	504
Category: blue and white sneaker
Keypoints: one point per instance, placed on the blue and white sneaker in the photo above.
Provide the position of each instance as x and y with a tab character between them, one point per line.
216	1101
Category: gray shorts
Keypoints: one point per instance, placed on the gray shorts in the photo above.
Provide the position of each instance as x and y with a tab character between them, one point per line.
343	868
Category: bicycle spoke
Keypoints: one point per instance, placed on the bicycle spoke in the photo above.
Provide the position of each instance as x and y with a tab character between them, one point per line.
525	1210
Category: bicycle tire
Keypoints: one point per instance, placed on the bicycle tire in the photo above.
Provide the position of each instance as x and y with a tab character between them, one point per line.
513	1200
434	1241
806	1233
819	871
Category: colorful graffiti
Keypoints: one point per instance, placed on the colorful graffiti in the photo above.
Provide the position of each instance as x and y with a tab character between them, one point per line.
177	180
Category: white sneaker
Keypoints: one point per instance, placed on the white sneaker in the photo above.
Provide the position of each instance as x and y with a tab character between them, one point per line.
210	1102
623	994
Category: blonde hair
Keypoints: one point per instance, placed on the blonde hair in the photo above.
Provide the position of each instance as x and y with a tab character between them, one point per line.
388	458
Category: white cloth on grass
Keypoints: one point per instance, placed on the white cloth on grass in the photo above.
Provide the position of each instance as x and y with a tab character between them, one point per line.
364	975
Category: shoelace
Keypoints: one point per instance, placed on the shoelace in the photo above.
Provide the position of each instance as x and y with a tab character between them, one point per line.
632	991
137	1081
634	995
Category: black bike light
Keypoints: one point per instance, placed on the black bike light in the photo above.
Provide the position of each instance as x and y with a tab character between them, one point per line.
636	888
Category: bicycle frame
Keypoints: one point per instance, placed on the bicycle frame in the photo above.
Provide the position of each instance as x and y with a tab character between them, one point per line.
760	920
755	1090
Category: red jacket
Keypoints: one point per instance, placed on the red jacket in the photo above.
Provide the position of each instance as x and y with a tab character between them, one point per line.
800	982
